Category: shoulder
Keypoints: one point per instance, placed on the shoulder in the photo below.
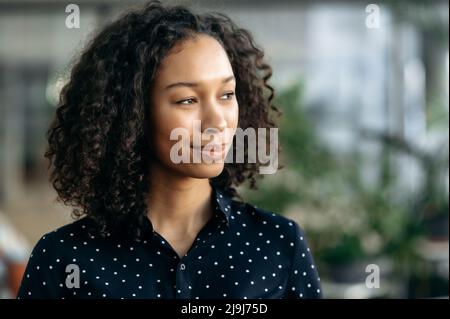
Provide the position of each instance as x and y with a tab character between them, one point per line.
46	268
268	225
61	238
285	240
262	218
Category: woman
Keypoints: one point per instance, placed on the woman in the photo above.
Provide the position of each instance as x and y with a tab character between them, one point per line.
149	226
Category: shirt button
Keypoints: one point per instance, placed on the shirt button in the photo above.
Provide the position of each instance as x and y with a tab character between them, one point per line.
182	267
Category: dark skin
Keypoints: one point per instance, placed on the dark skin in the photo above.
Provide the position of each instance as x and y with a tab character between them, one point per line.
179	199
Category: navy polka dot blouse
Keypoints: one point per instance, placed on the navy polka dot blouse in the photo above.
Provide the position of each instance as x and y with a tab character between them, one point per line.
242	252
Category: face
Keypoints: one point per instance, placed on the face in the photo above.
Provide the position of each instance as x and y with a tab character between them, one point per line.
193	98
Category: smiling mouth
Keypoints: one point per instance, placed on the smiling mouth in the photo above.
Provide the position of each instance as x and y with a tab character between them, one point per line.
213	151
212	146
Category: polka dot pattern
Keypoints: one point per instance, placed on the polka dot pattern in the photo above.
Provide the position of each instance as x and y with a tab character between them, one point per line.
243	252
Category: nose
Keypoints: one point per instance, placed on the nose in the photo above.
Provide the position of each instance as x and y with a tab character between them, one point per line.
213	118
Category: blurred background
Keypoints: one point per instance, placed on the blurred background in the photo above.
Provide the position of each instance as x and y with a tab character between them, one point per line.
364	88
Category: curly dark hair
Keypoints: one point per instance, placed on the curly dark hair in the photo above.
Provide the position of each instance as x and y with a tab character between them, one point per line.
98	145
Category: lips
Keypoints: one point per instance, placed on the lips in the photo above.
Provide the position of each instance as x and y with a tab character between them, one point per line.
212	147
213	151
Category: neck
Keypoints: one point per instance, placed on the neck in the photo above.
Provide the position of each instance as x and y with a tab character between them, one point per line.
177	203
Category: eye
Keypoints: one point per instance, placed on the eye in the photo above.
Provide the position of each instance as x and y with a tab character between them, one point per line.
229	95
187	101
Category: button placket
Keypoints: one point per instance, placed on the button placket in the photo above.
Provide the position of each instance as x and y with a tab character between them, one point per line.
182	281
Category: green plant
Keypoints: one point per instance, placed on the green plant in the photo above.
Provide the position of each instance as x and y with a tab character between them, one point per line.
346	220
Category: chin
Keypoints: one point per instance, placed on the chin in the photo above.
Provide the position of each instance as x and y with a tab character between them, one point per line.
205	170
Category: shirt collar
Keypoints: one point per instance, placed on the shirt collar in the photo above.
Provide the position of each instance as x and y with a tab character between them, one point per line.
222	205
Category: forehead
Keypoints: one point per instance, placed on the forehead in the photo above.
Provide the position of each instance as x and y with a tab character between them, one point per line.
198	59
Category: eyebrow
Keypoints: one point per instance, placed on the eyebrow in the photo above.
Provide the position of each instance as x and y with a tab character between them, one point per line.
194	84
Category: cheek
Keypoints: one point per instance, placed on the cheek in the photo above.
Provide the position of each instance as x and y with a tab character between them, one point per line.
233	116
165	121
